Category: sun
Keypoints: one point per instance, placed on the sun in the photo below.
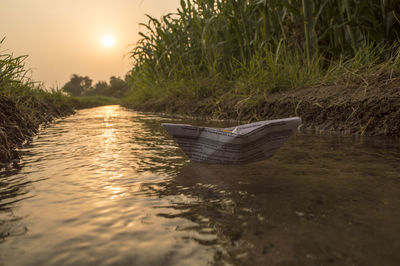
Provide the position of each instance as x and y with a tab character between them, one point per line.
108	40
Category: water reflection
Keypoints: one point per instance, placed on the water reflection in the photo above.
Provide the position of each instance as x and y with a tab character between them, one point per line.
109	187
314	203
12	190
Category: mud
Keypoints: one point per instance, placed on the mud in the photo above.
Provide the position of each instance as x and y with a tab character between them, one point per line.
20	118
369	106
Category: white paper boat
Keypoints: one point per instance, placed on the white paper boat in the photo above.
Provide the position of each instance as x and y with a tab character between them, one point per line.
233	145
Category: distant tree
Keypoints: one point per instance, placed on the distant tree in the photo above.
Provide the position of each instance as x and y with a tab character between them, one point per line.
77	85
100	88
118	87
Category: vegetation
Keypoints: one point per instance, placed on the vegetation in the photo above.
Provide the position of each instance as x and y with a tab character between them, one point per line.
77	85
239	47
16	84
24	105
82	86
81	102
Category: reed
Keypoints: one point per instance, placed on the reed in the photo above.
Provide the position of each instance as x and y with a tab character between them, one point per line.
13	73
16	85
24	105
272	43
31	97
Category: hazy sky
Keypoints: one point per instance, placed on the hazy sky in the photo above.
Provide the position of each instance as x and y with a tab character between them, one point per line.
63	37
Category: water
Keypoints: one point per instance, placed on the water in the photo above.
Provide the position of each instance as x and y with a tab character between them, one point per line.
107	186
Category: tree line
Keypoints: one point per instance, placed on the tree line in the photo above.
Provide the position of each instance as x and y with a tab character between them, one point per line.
83	86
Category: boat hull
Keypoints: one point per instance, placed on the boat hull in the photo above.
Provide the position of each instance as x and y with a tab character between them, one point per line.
243	144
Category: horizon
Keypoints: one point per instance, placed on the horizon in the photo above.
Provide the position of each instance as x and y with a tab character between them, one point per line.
70	37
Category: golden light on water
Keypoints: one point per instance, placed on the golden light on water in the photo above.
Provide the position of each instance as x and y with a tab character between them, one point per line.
108	40
108	155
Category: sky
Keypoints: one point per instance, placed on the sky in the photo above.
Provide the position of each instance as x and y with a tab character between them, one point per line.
85	37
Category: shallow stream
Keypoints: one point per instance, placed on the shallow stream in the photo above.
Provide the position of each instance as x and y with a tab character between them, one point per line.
108	186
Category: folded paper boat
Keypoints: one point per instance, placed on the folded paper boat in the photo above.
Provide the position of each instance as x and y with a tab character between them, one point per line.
233	145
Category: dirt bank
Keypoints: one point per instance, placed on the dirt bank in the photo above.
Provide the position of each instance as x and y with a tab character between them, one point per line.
20	118
370	106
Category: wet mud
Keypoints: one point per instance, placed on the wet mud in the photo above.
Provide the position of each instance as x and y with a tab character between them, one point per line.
365	107
20	118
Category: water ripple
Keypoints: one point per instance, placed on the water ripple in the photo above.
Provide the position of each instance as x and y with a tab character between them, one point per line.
108	186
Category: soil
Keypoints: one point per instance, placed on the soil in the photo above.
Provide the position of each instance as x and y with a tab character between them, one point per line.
364	107
20	118
367	107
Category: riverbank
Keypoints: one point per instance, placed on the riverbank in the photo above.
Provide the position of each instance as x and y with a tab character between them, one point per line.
321	200
264	64
367	106
21	116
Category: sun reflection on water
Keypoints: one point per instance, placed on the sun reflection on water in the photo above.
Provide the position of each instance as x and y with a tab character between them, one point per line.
109	137
115	190
109	154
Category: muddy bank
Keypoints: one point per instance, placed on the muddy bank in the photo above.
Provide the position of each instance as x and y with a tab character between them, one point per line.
20	118
365	107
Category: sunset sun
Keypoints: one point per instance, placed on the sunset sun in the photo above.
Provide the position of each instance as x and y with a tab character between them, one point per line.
108	40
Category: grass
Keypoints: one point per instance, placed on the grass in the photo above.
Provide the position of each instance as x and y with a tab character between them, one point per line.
264	75
210	48
15	84
80	102
25	105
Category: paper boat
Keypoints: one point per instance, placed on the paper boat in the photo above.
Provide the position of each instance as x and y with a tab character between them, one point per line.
233	145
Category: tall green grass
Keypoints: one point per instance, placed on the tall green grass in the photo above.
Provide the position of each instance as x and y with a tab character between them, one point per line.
13	74
210	47
16	84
